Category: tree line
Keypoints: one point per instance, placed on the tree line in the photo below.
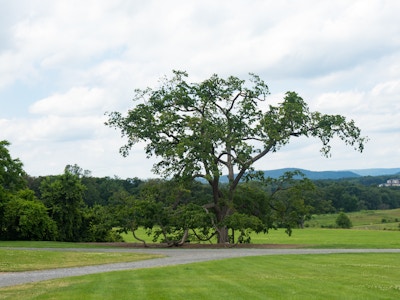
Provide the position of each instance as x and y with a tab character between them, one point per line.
75	206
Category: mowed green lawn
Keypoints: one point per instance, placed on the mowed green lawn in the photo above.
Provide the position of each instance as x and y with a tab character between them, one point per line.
332	238
372	229
333	276
330	276
320	238
28	260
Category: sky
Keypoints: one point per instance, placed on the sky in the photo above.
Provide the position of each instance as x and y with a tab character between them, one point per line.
64	63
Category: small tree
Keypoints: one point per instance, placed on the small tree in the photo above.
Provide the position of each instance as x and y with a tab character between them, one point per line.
343	221
63	195
222	126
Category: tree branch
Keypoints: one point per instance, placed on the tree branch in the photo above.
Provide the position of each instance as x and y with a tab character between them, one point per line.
249	163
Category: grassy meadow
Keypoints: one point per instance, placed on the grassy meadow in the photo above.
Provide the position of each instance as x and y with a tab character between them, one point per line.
328	276
367	219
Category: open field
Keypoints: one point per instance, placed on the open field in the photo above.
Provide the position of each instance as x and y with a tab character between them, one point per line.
333	238
316	233
321	238
307	276
309	237
27	260
328	276
367	219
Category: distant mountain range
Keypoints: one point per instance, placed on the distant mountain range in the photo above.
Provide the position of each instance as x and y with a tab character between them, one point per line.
377	172
319	175
336	174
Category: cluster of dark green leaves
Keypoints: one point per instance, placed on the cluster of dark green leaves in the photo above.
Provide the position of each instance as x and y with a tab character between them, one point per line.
358	194
166	209
26	218
22	215
221	126
11	170
197	128
56	212
343	221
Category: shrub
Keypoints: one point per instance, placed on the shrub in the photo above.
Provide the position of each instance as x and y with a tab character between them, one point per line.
343	221
26	218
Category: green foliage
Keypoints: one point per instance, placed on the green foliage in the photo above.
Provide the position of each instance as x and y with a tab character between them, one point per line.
189	121
26	218
22	216
164	209
11	171
343	221
63	196
98	225
102	190
289	199
353	195
245	224
217	126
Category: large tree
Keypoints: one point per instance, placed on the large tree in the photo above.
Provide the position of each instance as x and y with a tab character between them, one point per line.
221	126
12	175
12	179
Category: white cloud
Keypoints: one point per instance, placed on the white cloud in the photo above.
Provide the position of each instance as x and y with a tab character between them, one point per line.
76	102
78	59
52	129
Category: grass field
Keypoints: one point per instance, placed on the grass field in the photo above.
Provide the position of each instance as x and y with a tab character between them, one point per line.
334	276
321	238
369	219
373	220
26	260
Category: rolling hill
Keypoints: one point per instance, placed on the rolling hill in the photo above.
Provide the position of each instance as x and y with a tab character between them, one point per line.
320	175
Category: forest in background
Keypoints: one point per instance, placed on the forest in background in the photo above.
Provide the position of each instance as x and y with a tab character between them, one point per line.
78	207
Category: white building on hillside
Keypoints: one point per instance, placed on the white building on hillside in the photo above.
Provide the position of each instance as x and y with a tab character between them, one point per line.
391	182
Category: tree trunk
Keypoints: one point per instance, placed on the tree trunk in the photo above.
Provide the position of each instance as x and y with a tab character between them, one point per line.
222	210
139	239
184	237
223	235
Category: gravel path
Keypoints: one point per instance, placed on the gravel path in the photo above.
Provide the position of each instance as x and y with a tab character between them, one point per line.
173	257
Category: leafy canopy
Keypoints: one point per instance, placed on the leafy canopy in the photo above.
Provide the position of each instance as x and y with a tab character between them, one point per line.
11	170
198	129
223	126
